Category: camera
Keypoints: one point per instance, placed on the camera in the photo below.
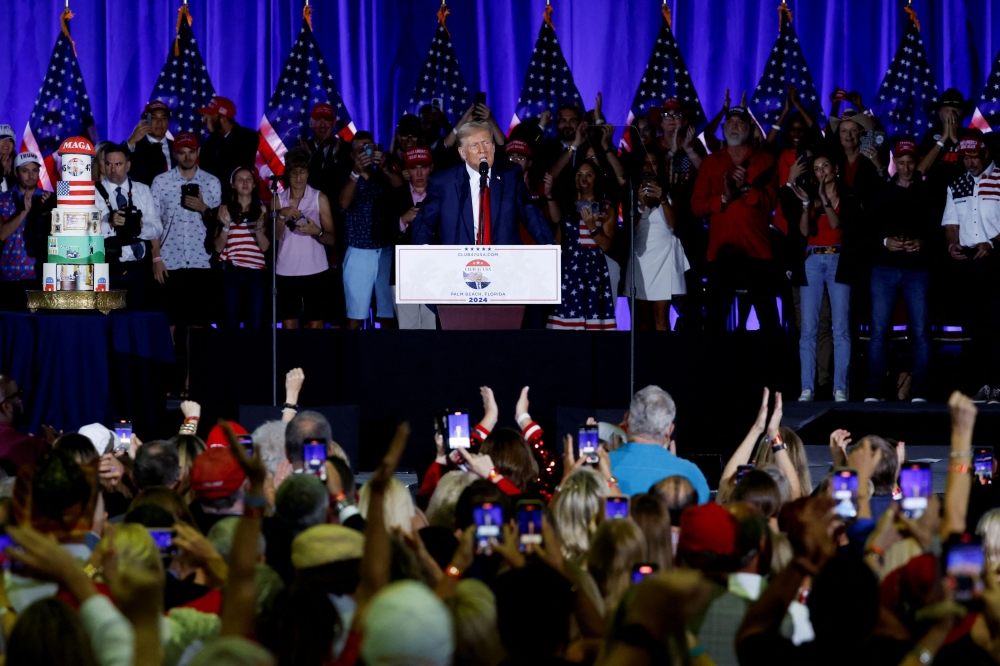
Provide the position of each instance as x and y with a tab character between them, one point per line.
133	221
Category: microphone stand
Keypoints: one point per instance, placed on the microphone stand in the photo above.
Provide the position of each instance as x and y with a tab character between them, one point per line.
274	290
634	203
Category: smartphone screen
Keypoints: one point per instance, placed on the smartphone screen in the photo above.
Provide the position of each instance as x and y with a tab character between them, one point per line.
123	434
915	482
641	571
529	524
247	442
963	577
480	98
615	507
314	455
587	443
164	540
458	430
488	518
982	464
5	542
845	491
742	471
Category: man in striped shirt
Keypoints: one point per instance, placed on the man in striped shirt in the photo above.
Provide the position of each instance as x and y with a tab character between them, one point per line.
972	227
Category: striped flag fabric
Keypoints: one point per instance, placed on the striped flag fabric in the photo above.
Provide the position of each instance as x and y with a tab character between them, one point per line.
786	66
665	76
75	193
548	83
908	87
184	84
305	81
987	114
441	81
62	108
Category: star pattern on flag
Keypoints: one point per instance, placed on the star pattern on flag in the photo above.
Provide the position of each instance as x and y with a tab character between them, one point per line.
786	65
989	99
908	87
667	76
441	78
184	84
548	83
62	108
305	81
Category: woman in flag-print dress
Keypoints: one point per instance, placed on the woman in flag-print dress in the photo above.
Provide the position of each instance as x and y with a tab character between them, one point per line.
587	301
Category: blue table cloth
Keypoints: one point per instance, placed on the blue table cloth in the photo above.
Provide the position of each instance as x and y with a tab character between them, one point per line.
82	368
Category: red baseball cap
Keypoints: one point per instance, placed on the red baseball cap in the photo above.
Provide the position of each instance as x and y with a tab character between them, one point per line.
185	140
904	147
156	105
708	528
217	437
972	144
518	147
417	156
216	473
221	106
323	111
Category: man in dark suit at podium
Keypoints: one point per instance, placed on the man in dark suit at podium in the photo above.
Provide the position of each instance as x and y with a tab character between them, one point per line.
479	202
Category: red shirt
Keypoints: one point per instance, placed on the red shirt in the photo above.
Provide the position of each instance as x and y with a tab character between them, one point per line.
851	170
18	448
825	236
741	228
785	162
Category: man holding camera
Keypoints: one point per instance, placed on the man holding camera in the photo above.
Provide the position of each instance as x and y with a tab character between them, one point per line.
229	145
152	153
368	261
181	263
130	223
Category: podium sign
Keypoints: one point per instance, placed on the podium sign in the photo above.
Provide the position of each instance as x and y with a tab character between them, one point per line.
498	274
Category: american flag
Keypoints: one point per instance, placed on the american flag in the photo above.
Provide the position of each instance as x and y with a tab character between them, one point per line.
62	108
183	84
785	66
666	76
987	115
75	193
908	87
548	84
305	81
441	77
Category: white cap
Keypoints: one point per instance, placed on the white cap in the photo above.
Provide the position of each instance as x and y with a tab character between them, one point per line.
98	435
25	157
6	132
407	624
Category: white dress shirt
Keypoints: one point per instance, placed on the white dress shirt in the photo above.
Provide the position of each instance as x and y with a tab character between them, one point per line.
143	199
474	182
974	207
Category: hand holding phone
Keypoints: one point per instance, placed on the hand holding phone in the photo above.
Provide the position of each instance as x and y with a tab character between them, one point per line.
529	524
488	518
247	442
458	430
164	540
915	482
587	443
844	485
964	564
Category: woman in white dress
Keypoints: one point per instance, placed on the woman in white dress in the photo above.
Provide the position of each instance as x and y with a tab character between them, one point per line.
661	262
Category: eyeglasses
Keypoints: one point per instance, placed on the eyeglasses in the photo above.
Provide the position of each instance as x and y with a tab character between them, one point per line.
673	116
14	396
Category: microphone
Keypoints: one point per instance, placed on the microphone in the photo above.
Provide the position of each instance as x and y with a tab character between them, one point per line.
484	172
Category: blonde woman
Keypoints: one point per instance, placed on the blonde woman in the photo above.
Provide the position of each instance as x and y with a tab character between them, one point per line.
796	451
474	611
441	508
989	530
617	546
577	510
399	509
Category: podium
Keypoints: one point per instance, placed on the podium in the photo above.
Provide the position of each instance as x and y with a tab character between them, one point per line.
479	287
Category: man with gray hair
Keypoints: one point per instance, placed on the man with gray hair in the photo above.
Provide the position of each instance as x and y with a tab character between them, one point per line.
736	191
478	202
649	454
300	503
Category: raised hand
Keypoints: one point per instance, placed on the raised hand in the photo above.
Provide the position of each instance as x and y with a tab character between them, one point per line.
253	467
522	403
800	193
491	413
383	473
293	385
963	412
774	425
726	101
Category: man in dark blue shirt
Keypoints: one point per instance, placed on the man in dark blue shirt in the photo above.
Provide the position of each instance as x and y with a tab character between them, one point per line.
367	264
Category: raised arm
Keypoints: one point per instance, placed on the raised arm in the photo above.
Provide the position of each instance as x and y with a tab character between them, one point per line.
741	456
959	483
780	450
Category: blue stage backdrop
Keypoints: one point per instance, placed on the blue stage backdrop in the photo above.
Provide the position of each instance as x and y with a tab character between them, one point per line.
375	48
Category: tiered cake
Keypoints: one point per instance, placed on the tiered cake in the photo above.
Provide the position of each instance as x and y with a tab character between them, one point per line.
76	246
75	276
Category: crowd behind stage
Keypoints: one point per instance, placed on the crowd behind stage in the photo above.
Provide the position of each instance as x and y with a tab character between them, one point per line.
840	225
263	548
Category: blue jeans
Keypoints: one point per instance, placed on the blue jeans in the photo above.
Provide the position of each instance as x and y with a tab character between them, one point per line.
240	283
887	283
821	272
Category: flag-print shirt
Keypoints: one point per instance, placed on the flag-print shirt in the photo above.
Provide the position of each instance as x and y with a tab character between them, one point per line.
15	263
974	205
182	243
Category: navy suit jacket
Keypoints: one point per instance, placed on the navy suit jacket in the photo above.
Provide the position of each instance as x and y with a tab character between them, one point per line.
446	213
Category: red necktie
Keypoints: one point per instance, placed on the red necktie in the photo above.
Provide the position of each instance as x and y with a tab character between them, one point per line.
485	235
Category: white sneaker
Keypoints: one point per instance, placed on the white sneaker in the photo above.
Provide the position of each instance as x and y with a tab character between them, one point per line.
806	396
840	396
